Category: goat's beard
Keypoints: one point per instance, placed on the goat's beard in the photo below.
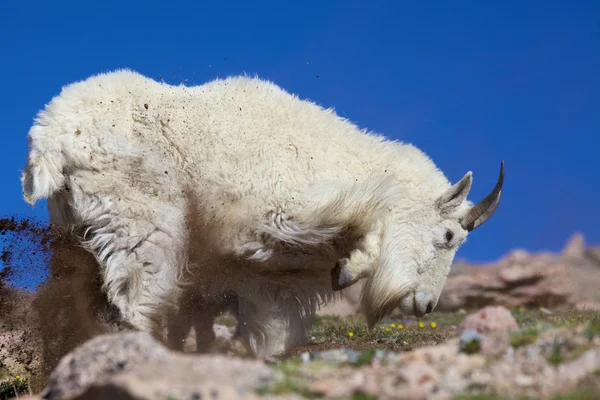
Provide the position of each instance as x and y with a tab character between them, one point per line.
380	297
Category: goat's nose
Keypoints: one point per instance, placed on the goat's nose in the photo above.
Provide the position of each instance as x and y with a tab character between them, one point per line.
429	307
424	303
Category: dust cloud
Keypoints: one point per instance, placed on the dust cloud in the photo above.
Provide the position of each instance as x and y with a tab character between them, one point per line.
68	306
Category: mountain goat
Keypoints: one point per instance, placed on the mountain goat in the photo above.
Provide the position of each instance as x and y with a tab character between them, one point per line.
290	203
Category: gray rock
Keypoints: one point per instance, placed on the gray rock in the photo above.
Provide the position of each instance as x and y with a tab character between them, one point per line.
135	366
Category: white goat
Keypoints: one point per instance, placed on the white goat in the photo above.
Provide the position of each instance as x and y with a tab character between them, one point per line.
290	202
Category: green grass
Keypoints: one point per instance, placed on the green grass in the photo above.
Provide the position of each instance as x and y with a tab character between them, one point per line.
533	323
289	386
579	394
524	337
331	332
586	393
335	331
555	357
393	333
471	347
561	317
363	396
593	328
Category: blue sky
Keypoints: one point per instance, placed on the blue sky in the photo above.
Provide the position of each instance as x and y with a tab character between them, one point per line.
470	83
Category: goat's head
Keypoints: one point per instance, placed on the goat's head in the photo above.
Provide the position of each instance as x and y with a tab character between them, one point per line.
417	241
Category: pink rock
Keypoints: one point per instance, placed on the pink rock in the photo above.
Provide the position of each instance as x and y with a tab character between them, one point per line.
518	256
575	247
495	344
489	319
419	378
588	305
593	254
515	274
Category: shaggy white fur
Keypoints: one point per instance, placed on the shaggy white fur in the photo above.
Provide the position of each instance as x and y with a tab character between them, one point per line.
278	190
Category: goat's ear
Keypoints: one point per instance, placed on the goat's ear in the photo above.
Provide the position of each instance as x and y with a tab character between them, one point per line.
341	276
455	195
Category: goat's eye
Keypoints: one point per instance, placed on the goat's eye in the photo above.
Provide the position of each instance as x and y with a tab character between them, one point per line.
449	235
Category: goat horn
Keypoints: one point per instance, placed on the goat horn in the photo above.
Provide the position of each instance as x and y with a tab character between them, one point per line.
483	210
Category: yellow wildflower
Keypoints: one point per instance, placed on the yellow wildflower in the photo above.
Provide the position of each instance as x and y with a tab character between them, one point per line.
433	325
393	325
18	377
350	334
400	326
421	324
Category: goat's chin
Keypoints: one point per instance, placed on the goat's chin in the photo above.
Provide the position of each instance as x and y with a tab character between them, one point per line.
378	302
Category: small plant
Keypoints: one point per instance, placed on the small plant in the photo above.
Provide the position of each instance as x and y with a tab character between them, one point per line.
13	387
555	356
593	328
365	357
470	341
523	337
358	395
3	371
471	346
478	396
289	382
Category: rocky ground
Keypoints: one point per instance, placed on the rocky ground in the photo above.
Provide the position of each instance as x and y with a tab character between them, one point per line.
527	326
491	353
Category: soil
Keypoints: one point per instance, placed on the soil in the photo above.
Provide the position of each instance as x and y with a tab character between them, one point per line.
67	307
